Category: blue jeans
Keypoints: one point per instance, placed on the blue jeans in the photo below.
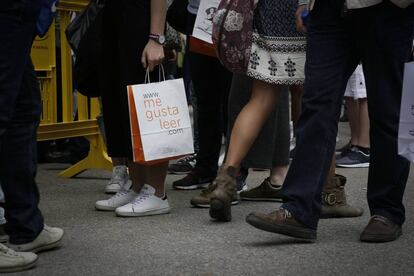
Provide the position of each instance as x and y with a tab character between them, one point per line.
381	38
20	107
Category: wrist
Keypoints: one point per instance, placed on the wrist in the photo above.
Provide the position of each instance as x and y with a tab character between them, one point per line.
158	38
154	43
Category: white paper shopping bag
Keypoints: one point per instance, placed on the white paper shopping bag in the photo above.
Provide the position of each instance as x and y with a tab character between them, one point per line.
406	127
160	121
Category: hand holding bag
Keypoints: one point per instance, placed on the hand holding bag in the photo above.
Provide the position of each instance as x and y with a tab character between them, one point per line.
233	32
160	121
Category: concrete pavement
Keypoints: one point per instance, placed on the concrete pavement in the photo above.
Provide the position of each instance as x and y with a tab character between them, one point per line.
186	242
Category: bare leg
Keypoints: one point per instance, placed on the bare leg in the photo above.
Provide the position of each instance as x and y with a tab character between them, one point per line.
296	93
250	121
137	175
332	173
363	134
353	116
278	175
155	176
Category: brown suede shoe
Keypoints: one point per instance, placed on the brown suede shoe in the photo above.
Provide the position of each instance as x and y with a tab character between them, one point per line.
380	229
223	194
281	222
334	203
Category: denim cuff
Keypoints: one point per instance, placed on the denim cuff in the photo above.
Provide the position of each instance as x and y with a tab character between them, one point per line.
2	219
303	2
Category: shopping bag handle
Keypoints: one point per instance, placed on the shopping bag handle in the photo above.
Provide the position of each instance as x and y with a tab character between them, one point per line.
161	73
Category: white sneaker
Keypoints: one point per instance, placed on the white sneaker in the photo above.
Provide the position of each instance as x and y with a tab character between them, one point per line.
12	261
49	238
119	180
120	198
145	204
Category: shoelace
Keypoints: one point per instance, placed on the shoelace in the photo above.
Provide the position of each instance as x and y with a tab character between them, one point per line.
8	251
119	194
187	159
117	176
141	198
380	219
287	214
116	179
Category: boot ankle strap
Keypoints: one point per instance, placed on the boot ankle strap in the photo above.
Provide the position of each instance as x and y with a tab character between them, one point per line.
332	198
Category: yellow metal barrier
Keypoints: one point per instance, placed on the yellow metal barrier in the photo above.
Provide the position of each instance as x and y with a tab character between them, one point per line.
44	60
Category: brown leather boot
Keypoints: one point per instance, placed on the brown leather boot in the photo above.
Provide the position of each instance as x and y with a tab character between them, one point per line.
223	194
334	203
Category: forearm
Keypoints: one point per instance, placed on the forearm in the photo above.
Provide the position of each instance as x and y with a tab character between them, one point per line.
158	14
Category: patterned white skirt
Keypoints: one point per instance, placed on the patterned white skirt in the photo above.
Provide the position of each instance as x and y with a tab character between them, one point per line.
278	49
278	60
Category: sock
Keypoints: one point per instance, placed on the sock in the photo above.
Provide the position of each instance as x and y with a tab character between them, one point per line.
273	184
364	150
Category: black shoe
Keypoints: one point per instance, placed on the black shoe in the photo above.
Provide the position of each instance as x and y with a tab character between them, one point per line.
194	180
264	192
354	158
344	150
184	165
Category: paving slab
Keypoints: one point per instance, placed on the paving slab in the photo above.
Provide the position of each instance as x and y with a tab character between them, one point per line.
187	242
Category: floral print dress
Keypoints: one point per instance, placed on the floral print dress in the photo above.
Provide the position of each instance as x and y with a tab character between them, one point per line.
278	49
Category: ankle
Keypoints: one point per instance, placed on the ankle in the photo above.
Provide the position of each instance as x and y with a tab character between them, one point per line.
365	150
160	194
276	181
136	188
278	175
230	170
